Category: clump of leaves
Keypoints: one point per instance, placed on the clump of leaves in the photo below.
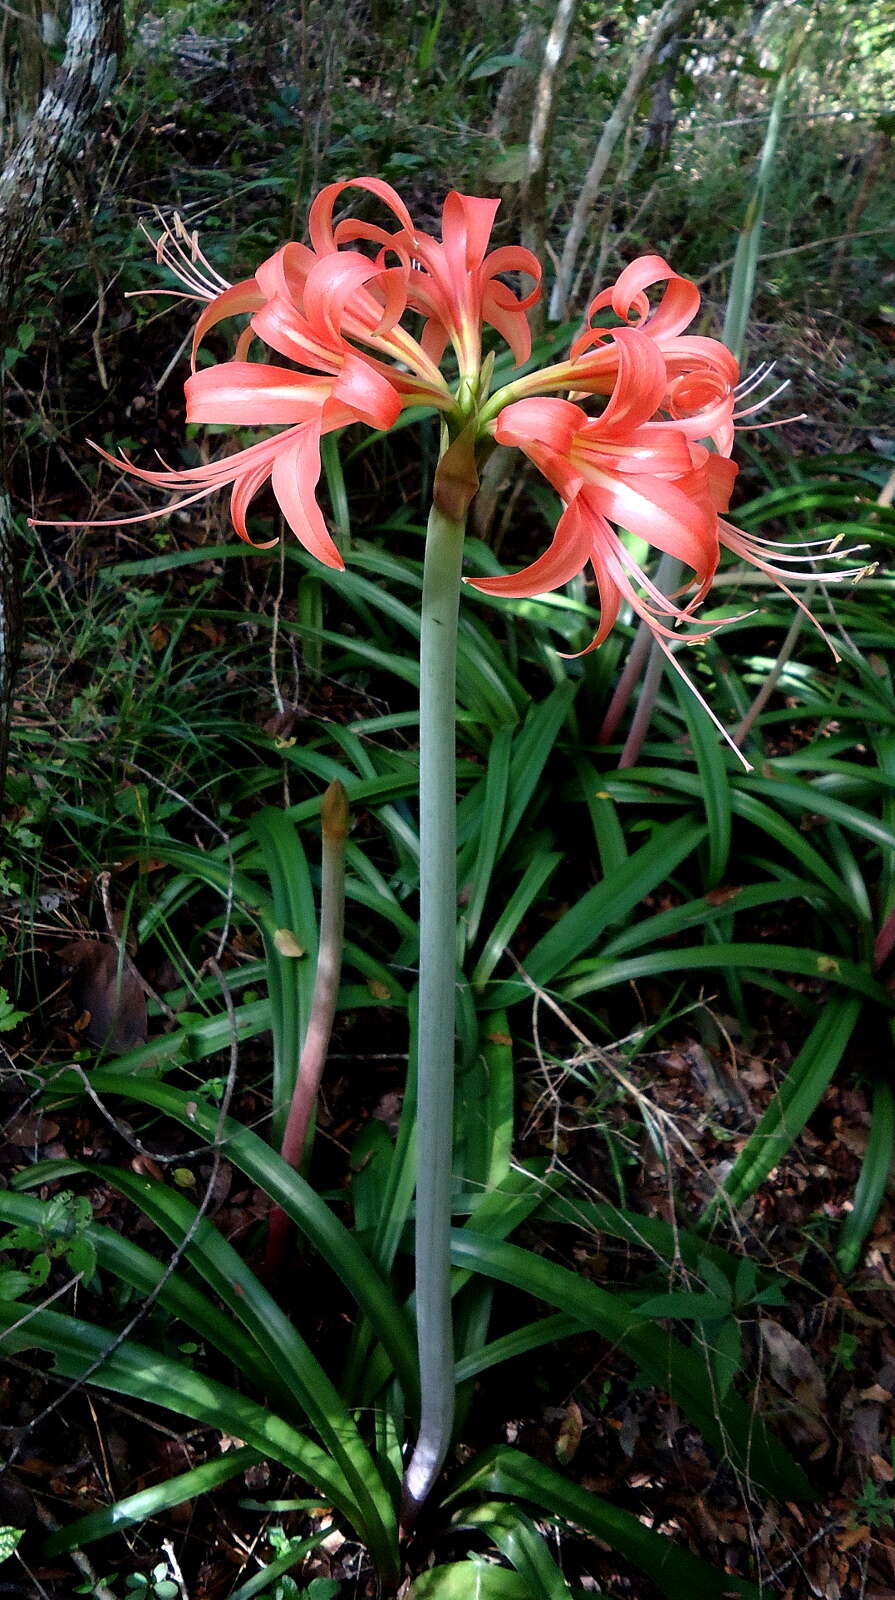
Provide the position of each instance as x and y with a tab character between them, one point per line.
60	1236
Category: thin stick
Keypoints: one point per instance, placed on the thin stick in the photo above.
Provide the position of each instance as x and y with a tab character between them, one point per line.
773	677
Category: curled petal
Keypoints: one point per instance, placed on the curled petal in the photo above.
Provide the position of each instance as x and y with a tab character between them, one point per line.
677	308
245	487
320	216
281	325
285	272
543	419
696	351
504	313
514	258
251	393
657	448
295	475
466	224
639	386
571	548
330	285
434	339
660	513
246	296
336	297
367	393
721	474
607	588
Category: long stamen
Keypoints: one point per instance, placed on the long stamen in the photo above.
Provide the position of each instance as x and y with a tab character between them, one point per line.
179	251
760	404
142	516
754	379
782	422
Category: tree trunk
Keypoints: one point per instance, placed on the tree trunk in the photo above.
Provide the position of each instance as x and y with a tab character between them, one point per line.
669	19
54	137
540	134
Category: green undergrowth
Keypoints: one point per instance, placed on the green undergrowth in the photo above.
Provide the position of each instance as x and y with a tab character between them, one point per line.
164	757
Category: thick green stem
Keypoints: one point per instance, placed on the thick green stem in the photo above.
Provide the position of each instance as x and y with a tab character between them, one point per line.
437	1002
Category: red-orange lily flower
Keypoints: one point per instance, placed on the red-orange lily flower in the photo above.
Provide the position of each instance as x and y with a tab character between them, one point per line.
453	282
336	313
621	467
244	392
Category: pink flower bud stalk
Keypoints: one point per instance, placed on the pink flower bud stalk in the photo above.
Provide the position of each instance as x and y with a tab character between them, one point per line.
334	816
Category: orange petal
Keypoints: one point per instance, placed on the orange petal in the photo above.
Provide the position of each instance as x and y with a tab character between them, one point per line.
570	549
296	473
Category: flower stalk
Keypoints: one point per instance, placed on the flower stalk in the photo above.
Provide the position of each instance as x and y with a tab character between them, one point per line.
437	1001
334	827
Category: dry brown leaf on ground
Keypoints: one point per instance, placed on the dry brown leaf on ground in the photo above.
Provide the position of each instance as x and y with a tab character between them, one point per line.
110	991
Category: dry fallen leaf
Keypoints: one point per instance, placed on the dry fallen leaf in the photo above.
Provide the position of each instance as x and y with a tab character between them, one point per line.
792	1365
110	990
34	1128
568	1438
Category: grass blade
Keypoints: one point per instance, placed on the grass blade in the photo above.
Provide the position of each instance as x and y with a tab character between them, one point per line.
148	1503
871	1186
728	1423
505	1471
796	1099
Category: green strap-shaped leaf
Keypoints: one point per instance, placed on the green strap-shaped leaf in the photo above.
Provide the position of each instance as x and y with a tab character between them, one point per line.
705	911
740	957
579	930
290	978
117	1254
713	776
335	1244
247	1300
137	1508
531	1336
144	1374
531	749
487	833
539	869
795	1101
875	1171
469	1580
517	1538
729	1424
682	1576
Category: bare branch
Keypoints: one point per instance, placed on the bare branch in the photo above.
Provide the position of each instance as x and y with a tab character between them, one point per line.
672	14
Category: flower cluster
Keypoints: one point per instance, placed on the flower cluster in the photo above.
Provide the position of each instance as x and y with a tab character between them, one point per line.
634	430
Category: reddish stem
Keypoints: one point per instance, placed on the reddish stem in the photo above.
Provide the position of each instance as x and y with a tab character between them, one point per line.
334	814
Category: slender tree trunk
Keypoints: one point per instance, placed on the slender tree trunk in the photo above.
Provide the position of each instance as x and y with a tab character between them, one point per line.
540	135
661	120
511	108
54	137
667	23
873	166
